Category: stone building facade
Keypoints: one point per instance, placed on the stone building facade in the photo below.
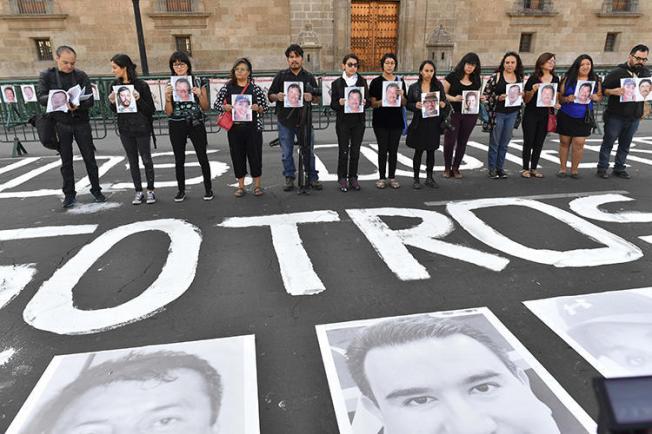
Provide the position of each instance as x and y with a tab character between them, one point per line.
218	31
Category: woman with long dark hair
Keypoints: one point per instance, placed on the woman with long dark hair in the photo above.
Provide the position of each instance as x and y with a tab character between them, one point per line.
387	119
245	137
465	77
502	119
424	133
187	122
135	127
574	120
535	119
349	126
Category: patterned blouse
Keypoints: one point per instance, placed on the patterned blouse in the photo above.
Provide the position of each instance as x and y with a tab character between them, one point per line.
258	97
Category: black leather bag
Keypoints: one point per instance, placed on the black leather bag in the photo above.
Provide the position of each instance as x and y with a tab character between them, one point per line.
46	130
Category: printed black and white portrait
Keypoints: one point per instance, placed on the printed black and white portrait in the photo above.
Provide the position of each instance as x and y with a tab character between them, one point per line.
125	102
547	95
354	99
430	104
293	91
391	94
9	94
96	91
29	93
241	108
583	91
200	387
643	88
470	102
629	89
57	101
611	330
182	88
514	97
457	372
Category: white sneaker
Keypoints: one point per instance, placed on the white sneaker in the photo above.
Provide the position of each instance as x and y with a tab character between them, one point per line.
151	197
138	199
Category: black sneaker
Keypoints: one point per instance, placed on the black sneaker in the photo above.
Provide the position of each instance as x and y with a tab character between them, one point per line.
289	184
69	201
501	174
181	195
209	195
430	182
99	197
416	185
493	174
621	174
602	173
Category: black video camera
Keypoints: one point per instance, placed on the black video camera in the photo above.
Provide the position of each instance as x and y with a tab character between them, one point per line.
625	405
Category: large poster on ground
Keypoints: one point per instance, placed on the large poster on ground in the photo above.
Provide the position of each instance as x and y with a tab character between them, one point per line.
611	330
455	372
200	387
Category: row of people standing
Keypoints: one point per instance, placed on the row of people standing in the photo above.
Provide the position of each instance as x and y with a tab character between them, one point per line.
187	119
575	121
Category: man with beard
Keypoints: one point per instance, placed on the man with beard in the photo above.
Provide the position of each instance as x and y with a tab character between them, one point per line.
621	119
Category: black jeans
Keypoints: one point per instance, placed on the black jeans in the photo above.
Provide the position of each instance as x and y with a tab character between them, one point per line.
133	146
180	131
349	140
416	162
535	130
246	143
82	134
388	140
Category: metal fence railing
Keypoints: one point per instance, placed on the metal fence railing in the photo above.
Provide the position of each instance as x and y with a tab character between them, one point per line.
14	117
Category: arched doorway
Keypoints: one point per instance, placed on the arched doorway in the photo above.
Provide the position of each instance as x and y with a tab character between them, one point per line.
374	30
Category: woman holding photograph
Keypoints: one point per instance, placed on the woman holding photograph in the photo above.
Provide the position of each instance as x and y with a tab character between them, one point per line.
186	121
424	133
465	77
535	119
135	128
348	126
573	119
502	119
387	122
245	138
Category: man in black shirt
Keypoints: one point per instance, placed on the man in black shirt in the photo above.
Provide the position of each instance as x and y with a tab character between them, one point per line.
289	119
73	124
621	119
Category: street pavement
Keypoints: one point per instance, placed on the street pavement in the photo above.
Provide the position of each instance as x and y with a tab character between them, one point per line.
241	286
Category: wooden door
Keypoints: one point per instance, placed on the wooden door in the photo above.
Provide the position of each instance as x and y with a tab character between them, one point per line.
374	31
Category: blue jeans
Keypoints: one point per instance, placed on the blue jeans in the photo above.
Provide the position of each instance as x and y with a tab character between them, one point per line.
286	137
499	139
623	129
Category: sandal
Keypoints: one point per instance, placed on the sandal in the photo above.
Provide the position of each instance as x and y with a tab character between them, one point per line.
561	174
258	191
525	173
239	192
394	183
536	173
381	183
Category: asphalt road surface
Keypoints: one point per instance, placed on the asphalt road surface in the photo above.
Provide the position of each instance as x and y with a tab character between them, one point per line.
334	272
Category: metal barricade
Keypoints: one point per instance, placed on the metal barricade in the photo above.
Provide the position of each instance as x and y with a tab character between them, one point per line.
14	116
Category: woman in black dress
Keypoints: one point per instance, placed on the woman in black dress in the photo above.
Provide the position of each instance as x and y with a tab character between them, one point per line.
424	133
